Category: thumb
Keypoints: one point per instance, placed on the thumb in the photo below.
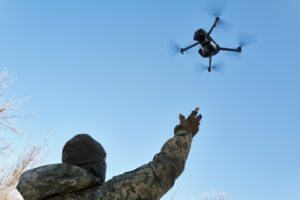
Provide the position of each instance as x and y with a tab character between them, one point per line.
181	118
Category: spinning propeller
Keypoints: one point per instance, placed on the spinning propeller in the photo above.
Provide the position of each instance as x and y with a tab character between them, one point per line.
215	9
218	67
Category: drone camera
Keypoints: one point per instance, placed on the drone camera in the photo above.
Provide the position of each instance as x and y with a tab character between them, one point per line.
199	35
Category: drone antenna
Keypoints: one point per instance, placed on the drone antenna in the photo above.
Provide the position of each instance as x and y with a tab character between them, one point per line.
214	25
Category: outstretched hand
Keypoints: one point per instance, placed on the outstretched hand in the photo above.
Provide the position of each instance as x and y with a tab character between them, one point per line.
192	122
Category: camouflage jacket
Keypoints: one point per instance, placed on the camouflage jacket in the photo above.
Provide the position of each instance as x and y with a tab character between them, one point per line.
148	182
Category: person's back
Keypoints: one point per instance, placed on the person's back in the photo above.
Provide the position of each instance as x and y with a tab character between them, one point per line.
86	180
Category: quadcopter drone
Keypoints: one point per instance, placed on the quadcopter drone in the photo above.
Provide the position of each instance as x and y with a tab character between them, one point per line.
208	47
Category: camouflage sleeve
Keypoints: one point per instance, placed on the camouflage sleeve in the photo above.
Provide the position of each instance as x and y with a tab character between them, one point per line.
169	163
153	180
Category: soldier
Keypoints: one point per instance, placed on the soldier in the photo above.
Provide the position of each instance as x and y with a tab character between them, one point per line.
82	172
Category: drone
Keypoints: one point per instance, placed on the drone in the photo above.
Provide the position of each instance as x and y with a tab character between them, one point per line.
208	47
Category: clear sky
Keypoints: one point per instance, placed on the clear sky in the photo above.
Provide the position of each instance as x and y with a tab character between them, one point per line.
103	68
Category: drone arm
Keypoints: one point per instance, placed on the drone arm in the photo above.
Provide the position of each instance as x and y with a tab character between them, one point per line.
184	49
214	25
239	49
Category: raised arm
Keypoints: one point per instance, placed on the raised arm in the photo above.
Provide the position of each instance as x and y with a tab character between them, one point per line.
169	163
153	180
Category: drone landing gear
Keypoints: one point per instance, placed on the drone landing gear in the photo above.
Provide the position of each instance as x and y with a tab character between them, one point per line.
209	67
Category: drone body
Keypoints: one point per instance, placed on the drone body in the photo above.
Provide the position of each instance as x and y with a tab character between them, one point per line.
208	47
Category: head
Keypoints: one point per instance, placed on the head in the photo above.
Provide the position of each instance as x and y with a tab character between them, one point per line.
83	151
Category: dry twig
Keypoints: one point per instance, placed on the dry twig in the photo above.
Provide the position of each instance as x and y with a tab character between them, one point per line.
9	176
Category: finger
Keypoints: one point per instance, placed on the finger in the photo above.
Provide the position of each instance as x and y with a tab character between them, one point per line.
199	117
181	118
193	114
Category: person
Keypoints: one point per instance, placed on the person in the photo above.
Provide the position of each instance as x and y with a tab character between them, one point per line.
81	175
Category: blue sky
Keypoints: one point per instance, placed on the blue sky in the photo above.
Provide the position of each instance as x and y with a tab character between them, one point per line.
103	68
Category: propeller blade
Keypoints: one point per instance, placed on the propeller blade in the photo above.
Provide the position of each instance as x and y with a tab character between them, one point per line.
246	39
223	25
215	8
234	55
200	68
218	67
173	48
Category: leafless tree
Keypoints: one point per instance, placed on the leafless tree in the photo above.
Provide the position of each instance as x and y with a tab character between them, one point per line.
9	175
8	113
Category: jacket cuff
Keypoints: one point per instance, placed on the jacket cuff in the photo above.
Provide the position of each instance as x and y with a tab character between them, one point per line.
181	127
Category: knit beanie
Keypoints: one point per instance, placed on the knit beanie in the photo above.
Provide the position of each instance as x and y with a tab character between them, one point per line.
83	149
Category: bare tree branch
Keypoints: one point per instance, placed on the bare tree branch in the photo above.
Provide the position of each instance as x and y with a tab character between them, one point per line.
9	176
30	157
8	111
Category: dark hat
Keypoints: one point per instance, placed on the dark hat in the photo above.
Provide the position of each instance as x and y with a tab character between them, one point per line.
82	149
